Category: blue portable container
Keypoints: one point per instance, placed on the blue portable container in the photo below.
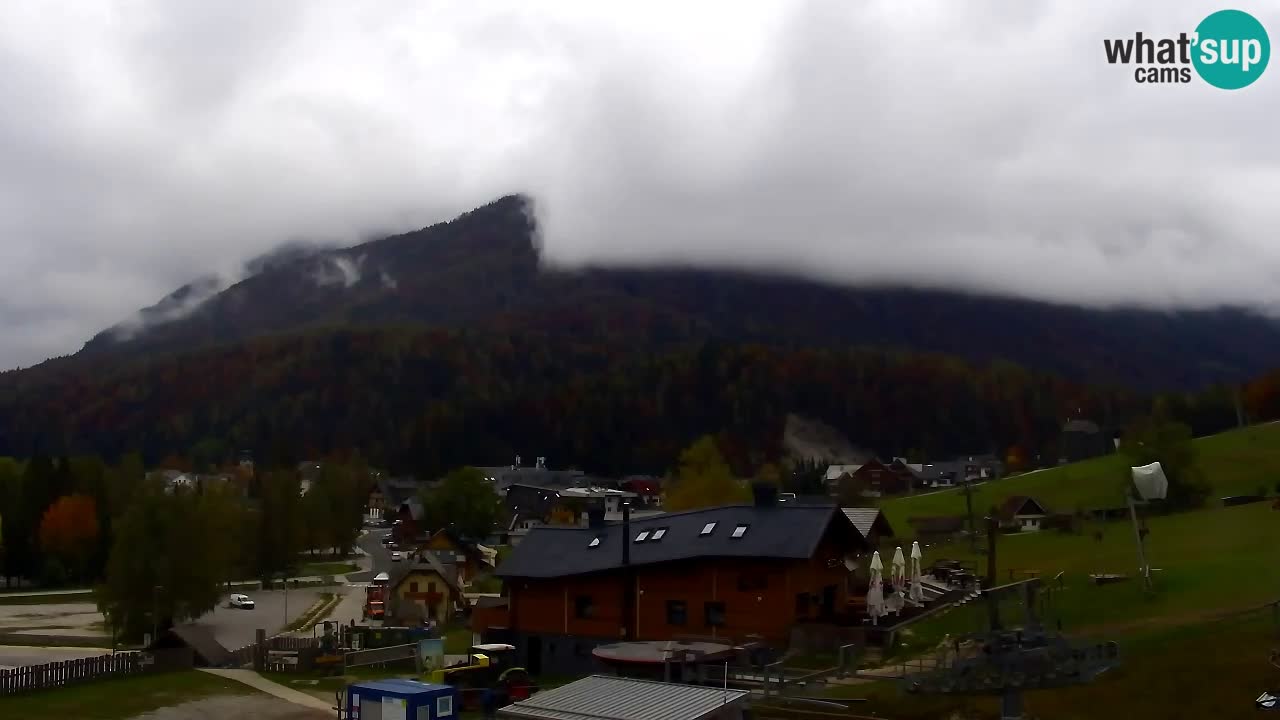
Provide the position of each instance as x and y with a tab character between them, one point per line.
401	700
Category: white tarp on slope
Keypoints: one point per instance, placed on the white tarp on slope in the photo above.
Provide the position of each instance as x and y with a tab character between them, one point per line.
1150	481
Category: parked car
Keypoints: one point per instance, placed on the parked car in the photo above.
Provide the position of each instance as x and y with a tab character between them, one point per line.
239	601
397	556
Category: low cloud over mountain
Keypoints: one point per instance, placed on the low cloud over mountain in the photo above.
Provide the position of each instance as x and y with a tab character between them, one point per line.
958	145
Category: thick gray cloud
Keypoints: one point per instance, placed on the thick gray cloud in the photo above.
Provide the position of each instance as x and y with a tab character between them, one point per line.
981	145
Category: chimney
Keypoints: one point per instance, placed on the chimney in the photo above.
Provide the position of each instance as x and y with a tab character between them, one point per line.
595	517
626	533
765	494
628	578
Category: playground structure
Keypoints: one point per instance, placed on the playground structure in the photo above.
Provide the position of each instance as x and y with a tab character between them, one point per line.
1006	661
491	668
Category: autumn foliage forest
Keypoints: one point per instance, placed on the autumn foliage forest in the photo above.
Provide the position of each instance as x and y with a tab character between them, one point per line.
427	401
77	505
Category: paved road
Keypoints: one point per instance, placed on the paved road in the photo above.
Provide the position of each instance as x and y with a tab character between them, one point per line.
235	628
351	608
12	656
376	558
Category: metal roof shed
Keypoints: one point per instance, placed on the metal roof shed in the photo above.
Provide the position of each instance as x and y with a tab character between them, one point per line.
401	700
603	697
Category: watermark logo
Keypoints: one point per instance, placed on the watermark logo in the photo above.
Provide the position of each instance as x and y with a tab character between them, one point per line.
1228	49
1266	701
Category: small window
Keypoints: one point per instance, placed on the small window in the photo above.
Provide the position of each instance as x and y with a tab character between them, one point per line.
431	586
595	542
706	529
740	531
583	607
413	587
677	612
715	614
657	534
444	706
642	536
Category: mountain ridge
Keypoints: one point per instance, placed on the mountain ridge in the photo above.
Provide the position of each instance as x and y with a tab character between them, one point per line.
483	270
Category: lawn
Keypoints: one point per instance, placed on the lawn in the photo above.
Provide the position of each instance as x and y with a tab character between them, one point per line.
324	569
1206	670
121	698
1210	562
1239	462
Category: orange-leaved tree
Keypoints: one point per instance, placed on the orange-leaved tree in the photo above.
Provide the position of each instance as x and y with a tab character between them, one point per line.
69	530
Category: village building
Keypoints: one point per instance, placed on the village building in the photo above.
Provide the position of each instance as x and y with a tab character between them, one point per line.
390	497
425	589
539	475
646	487
531	506
1021	513
725	572
876	479
469	558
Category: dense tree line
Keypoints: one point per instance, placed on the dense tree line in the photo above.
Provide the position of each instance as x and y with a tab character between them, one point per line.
160	552
425	402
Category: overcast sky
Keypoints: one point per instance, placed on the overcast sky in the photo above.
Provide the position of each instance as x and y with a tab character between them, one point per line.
979	144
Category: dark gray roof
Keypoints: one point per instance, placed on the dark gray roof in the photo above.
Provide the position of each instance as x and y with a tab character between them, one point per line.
1019	505
789	531
1083	426
426	561
604	697
398	490
208	651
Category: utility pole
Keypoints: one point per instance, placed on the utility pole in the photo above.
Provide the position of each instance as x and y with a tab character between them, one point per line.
1239	407
968	501
993	530
1137	535
155	613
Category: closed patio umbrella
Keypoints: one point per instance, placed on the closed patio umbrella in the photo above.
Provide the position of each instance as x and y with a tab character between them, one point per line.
875	590
898	574
917	592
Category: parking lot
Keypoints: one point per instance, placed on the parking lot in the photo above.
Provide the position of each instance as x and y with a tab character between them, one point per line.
234	628
12	656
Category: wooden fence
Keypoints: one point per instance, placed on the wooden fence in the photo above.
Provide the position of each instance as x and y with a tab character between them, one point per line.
286	642
72	672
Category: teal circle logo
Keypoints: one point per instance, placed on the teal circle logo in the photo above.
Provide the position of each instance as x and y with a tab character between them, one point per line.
1231	49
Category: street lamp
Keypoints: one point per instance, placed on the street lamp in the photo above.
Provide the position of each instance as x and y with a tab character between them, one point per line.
284	579
1151	484
155	612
